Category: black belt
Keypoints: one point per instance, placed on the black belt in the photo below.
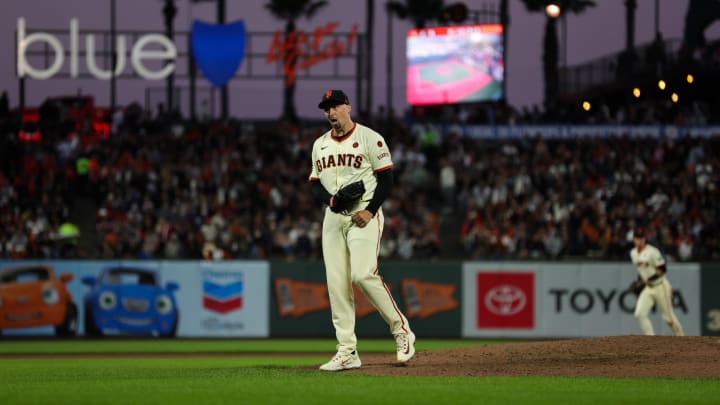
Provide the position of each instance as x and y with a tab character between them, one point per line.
656	282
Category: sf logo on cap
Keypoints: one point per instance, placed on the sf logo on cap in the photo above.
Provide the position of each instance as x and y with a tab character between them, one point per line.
328	93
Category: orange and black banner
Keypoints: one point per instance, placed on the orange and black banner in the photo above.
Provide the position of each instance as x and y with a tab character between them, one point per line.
427	293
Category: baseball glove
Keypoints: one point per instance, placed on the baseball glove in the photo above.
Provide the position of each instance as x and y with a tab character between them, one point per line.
347	196
636	287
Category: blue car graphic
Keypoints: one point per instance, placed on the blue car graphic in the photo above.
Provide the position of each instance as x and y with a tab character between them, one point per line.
128	300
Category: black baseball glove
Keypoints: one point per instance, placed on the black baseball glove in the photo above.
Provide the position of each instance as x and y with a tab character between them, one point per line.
636	286
347	196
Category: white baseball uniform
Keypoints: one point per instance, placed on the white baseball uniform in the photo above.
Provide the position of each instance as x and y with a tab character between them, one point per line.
657	292
349	251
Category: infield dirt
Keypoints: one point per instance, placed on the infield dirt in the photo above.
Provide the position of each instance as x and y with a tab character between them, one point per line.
617	356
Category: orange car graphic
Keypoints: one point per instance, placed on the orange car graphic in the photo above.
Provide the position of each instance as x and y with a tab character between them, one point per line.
32	296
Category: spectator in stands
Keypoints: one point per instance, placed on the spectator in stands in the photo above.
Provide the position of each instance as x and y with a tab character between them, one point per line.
233	187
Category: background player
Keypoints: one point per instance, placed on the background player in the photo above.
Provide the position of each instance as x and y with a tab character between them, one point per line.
657	290
349	152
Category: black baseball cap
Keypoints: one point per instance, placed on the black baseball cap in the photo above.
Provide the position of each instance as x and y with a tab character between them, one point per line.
333	97
639	233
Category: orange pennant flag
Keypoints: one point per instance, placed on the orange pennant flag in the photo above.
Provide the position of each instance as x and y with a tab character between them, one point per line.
423	299
297	298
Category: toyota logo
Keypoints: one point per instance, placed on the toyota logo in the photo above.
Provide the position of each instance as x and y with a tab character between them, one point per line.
505	300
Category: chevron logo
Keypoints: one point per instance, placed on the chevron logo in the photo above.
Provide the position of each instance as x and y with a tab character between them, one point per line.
223	297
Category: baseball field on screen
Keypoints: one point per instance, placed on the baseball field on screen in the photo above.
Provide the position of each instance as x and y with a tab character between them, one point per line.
283	371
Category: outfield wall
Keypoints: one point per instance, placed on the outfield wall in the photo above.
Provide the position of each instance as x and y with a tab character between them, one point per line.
710	292
214	299
427	292
566	300
450	299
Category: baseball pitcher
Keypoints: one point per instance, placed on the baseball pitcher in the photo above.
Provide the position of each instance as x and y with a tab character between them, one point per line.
352	175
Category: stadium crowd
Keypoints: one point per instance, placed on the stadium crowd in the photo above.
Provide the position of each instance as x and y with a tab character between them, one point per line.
164	189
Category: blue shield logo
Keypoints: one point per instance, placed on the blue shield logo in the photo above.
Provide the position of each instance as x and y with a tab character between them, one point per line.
218	49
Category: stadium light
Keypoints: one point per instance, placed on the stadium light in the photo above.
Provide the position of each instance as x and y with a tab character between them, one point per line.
661	84
553	10
690	78
674	97
636	92
586	105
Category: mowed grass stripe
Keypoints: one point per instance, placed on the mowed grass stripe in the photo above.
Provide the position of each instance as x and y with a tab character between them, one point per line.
214	345
277	380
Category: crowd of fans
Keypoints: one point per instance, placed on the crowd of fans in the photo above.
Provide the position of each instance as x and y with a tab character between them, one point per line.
163	189
537	198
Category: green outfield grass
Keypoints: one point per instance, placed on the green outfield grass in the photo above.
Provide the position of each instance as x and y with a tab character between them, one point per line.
289	380
216	345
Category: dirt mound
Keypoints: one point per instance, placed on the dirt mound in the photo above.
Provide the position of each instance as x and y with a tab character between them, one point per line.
617	356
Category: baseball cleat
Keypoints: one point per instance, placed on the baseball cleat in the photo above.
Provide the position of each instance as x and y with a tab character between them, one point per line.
342	361
405	343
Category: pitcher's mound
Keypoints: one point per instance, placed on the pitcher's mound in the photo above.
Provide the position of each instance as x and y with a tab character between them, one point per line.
616	356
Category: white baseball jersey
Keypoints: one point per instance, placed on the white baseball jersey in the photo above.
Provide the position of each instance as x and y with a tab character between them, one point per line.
647	261
658	292
357	156
350	252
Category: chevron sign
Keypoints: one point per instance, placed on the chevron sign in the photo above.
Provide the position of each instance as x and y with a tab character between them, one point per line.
223	292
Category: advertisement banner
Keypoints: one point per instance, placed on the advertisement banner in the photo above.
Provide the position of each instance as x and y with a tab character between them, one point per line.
542	299
428	294
710	277
225	299
299	305
143	298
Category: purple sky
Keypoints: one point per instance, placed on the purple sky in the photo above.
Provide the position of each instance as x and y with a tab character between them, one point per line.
598	32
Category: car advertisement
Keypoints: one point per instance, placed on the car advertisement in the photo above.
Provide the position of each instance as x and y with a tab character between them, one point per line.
528	300
33	296
134	298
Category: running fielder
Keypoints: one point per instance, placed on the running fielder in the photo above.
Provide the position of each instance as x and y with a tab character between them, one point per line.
656	289
352	174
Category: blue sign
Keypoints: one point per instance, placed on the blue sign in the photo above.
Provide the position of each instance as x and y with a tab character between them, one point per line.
218	49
